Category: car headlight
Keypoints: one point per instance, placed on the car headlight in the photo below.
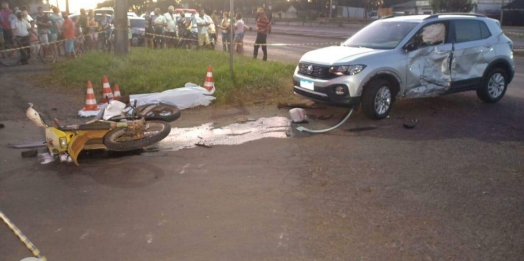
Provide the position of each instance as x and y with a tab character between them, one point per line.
63	142
347	69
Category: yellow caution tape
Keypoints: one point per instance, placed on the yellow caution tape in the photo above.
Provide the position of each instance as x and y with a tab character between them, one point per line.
22	237
248	44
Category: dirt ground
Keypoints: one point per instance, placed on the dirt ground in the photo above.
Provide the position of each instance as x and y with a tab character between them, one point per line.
450	189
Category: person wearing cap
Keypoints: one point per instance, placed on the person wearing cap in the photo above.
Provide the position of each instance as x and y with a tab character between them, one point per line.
263	27
20	31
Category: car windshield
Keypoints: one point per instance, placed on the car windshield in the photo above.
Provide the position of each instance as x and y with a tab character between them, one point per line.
135	23
380	35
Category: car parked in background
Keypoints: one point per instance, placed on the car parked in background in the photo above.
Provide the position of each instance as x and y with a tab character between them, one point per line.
409	57
138	30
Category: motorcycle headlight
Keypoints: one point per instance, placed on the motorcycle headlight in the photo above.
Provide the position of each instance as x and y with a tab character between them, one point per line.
63	142
347	69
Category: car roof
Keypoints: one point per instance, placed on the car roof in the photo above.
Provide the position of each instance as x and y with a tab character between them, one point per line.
136	18
420	18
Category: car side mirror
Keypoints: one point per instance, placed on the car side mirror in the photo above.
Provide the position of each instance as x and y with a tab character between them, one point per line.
410	47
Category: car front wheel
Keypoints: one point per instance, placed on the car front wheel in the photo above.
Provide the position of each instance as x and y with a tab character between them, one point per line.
494	86
377	99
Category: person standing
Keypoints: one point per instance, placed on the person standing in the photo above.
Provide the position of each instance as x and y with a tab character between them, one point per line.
149	29
44	24
20	32
5	23
263	27
81	23
159	24
225	26
240	28
105	27
93	29
211	30
68	29
202	24
56	25
171	27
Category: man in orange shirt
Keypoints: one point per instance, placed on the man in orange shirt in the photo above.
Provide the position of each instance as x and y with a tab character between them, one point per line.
69	35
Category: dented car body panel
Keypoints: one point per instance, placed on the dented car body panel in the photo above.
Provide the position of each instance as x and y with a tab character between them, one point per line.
422	55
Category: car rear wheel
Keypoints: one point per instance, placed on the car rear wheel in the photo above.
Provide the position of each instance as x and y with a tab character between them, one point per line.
494	86
377	99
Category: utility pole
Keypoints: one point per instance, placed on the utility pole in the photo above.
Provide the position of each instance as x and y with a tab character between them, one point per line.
232	33
121	41
330	8
67	7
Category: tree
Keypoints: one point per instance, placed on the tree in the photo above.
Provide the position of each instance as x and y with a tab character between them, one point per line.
440	6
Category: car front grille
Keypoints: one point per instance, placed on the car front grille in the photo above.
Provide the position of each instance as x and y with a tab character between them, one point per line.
314	71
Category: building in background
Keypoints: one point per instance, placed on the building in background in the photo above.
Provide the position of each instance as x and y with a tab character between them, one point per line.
413	7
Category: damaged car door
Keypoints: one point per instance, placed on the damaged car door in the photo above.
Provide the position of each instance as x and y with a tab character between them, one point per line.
429	55
471	55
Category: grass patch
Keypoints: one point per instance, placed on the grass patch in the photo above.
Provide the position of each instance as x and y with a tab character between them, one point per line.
146	70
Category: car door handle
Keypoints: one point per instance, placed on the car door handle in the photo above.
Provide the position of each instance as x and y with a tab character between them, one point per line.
489	46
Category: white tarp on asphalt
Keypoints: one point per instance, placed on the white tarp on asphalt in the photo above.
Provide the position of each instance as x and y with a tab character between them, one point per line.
189	96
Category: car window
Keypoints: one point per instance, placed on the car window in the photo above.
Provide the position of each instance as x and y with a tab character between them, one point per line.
470	30
381	35
484	31
430	35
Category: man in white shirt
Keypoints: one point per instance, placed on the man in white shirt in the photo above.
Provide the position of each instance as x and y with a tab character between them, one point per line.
21	29
211	29
171	26
203	37
159	23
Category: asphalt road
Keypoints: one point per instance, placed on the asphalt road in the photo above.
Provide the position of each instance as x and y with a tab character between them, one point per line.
450	189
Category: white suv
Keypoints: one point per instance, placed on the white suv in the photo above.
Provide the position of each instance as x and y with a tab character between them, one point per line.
409	57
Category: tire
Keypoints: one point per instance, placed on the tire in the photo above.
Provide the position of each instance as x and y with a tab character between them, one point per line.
493	86
47	54
159	112
112	143
10	58
377	99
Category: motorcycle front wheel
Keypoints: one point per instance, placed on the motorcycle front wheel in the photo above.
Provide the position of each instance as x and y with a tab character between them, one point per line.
123	140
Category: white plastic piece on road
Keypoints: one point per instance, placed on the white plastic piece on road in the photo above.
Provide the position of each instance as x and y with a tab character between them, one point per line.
297	114
83	113
189	96
301	128
115	108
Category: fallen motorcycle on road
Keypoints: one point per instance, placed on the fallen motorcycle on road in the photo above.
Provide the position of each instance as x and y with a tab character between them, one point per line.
115	130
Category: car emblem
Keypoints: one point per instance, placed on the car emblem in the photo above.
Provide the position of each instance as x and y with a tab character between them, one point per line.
310	69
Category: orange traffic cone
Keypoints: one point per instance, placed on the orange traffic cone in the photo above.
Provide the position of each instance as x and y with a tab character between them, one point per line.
90	99
106	91
208	84
117	92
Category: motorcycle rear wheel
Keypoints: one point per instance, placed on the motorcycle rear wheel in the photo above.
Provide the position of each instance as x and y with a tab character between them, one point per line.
159	112
120	140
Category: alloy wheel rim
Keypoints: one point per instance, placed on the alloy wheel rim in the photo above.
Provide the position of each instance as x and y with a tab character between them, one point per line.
382	100
496	85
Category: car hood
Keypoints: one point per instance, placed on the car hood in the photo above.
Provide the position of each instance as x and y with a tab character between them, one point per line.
334	54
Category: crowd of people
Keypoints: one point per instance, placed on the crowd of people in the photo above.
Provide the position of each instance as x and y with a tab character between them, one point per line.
175	30
168	30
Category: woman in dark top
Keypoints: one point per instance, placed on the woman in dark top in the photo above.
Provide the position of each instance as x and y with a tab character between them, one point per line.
149	30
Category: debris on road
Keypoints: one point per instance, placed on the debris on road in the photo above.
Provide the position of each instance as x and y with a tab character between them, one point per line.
1	125
297	115
200	144
323	117
28	145
244	119
29	153
410	124
301	128
303	105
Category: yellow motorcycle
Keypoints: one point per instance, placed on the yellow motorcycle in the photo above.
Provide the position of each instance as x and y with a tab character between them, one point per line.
121	133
